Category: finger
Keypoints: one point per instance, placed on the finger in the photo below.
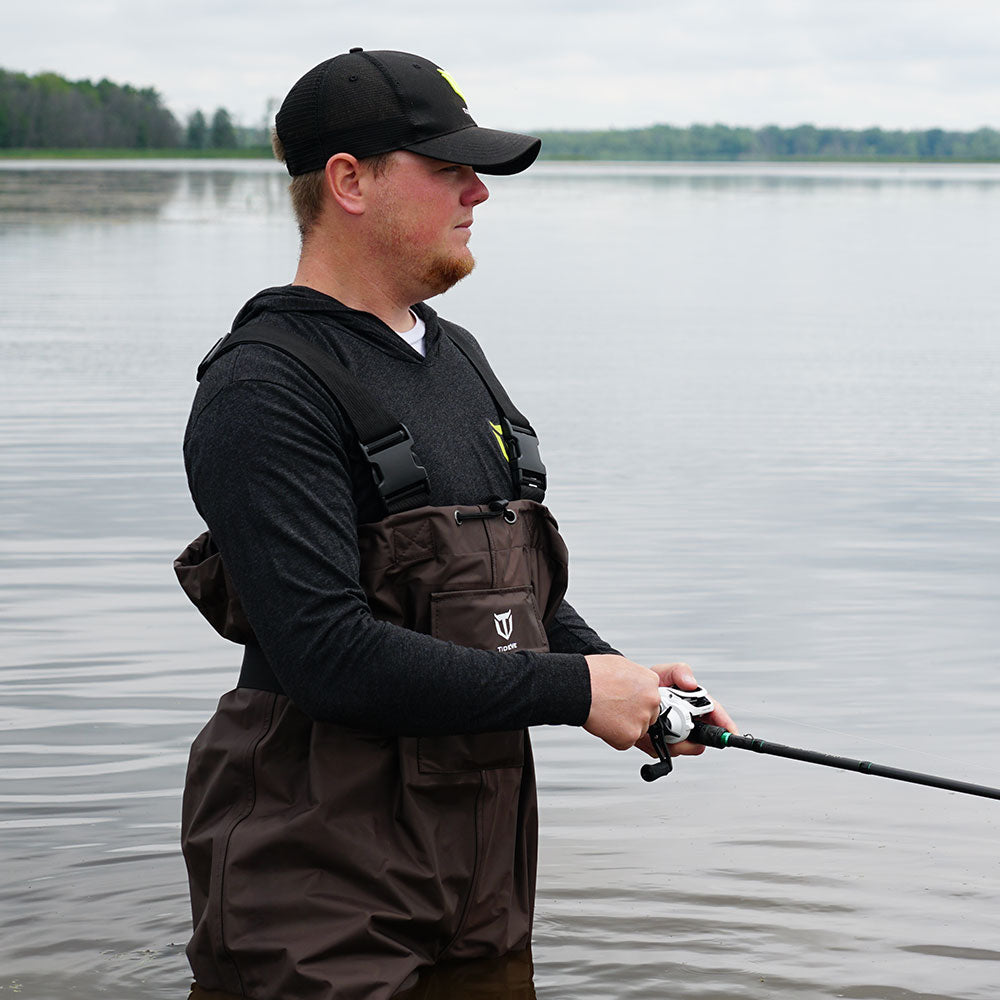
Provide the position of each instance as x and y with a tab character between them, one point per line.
679	675
676	675
686	749
720	717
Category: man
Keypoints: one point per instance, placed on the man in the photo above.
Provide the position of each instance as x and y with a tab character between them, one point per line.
362	805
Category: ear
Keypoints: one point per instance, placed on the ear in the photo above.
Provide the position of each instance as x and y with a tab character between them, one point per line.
344	183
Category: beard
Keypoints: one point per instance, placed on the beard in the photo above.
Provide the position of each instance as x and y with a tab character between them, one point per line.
431	272
396	237
443	272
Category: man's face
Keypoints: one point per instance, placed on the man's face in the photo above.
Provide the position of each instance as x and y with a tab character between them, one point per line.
421	214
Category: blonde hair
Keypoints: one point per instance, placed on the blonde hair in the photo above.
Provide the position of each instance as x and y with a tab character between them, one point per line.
306	190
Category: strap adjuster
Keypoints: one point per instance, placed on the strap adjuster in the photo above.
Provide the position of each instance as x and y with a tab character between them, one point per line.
397	473
526	460
212	354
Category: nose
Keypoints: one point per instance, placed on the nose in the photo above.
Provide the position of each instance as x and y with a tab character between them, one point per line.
476	192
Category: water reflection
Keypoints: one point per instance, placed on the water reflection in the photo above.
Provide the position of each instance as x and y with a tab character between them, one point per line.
510	978
507	978
87	192
32	195
122	190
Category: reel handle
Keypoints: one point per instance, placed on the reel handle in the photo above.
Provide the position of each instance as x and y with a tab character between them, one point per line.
679	711
650	772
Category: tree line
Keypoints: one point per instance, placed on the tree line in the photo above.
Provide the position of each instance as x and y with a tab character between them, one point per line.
804	142
47	111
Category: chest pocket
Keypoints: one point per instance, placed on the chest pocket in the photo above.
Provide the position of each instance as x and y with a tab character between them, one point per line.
485	577
505	619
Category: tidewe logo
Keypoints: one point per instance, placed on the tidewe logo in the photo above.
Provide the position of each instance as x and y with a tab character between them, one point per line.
504	623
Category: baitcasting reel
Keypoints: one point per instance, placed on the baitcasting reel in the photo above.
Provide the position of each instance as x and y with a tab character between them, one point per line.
678	711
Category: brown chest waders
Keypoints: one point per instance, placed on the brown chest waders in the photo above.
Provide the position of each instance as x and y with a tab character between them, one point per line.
325	862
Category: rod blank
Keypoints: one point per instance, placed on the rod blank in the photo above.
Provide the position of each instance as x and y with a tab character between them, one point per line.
716	736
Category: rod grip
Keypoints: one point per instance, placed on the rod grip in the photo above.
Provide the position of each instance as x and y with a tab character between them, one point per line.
710	736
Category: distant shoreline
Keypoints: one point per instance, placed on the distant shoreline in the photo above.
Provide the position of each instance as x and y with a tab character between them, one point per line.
173	153
266	154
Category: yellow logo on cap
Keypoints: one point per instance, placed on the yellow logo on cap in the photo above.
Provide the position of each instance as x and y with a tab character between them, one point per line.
453	85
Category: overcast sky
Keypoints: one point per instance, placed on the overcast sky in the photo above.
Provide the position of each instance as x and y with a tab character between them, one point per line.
552	63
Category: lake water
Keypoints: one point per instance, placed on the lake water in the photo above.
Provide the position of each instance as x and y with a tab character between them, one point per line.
768	399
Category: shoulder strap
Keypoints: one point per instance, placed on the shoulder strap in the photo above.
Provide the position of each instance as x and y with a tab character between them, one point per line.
387	445
526	464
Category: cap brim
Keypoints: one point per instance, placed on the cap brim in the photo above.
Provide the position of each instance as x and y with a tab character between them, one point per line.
484	149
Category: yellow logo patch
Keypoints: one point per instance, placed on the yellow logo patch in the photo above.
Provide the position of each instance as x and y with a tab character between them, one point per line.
498	434
453	85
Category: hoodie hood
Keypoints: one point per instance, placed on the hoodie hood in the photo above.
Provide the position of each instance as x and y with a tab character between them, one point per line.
306	305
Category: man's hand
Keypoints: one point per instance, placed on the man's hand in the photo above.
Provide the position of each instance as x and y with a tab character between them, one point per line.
624	700
679	675
623	705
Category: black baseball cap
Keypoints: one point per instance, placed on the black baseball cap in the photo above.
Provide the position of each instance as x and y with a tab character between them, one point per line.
366	103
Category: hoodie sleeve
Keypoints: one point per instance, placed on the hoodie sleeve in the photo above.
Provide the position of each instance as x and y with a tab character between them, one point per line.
271	475
569	633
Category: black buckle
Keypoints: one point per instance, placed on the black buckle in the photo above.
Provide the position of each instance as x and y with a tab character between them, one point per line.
397	473
526	460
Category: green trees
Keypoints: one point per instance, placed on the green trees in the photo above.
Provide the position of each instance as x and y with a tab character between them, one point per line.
197	131
222	134
804	142
49	112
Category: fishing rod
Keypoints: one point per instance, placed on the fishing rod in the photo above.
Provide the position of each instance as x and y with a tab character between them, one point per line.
678	720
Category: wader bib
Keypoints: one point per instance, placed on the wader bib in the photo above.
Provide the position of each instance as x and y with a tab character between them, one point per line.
325	862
